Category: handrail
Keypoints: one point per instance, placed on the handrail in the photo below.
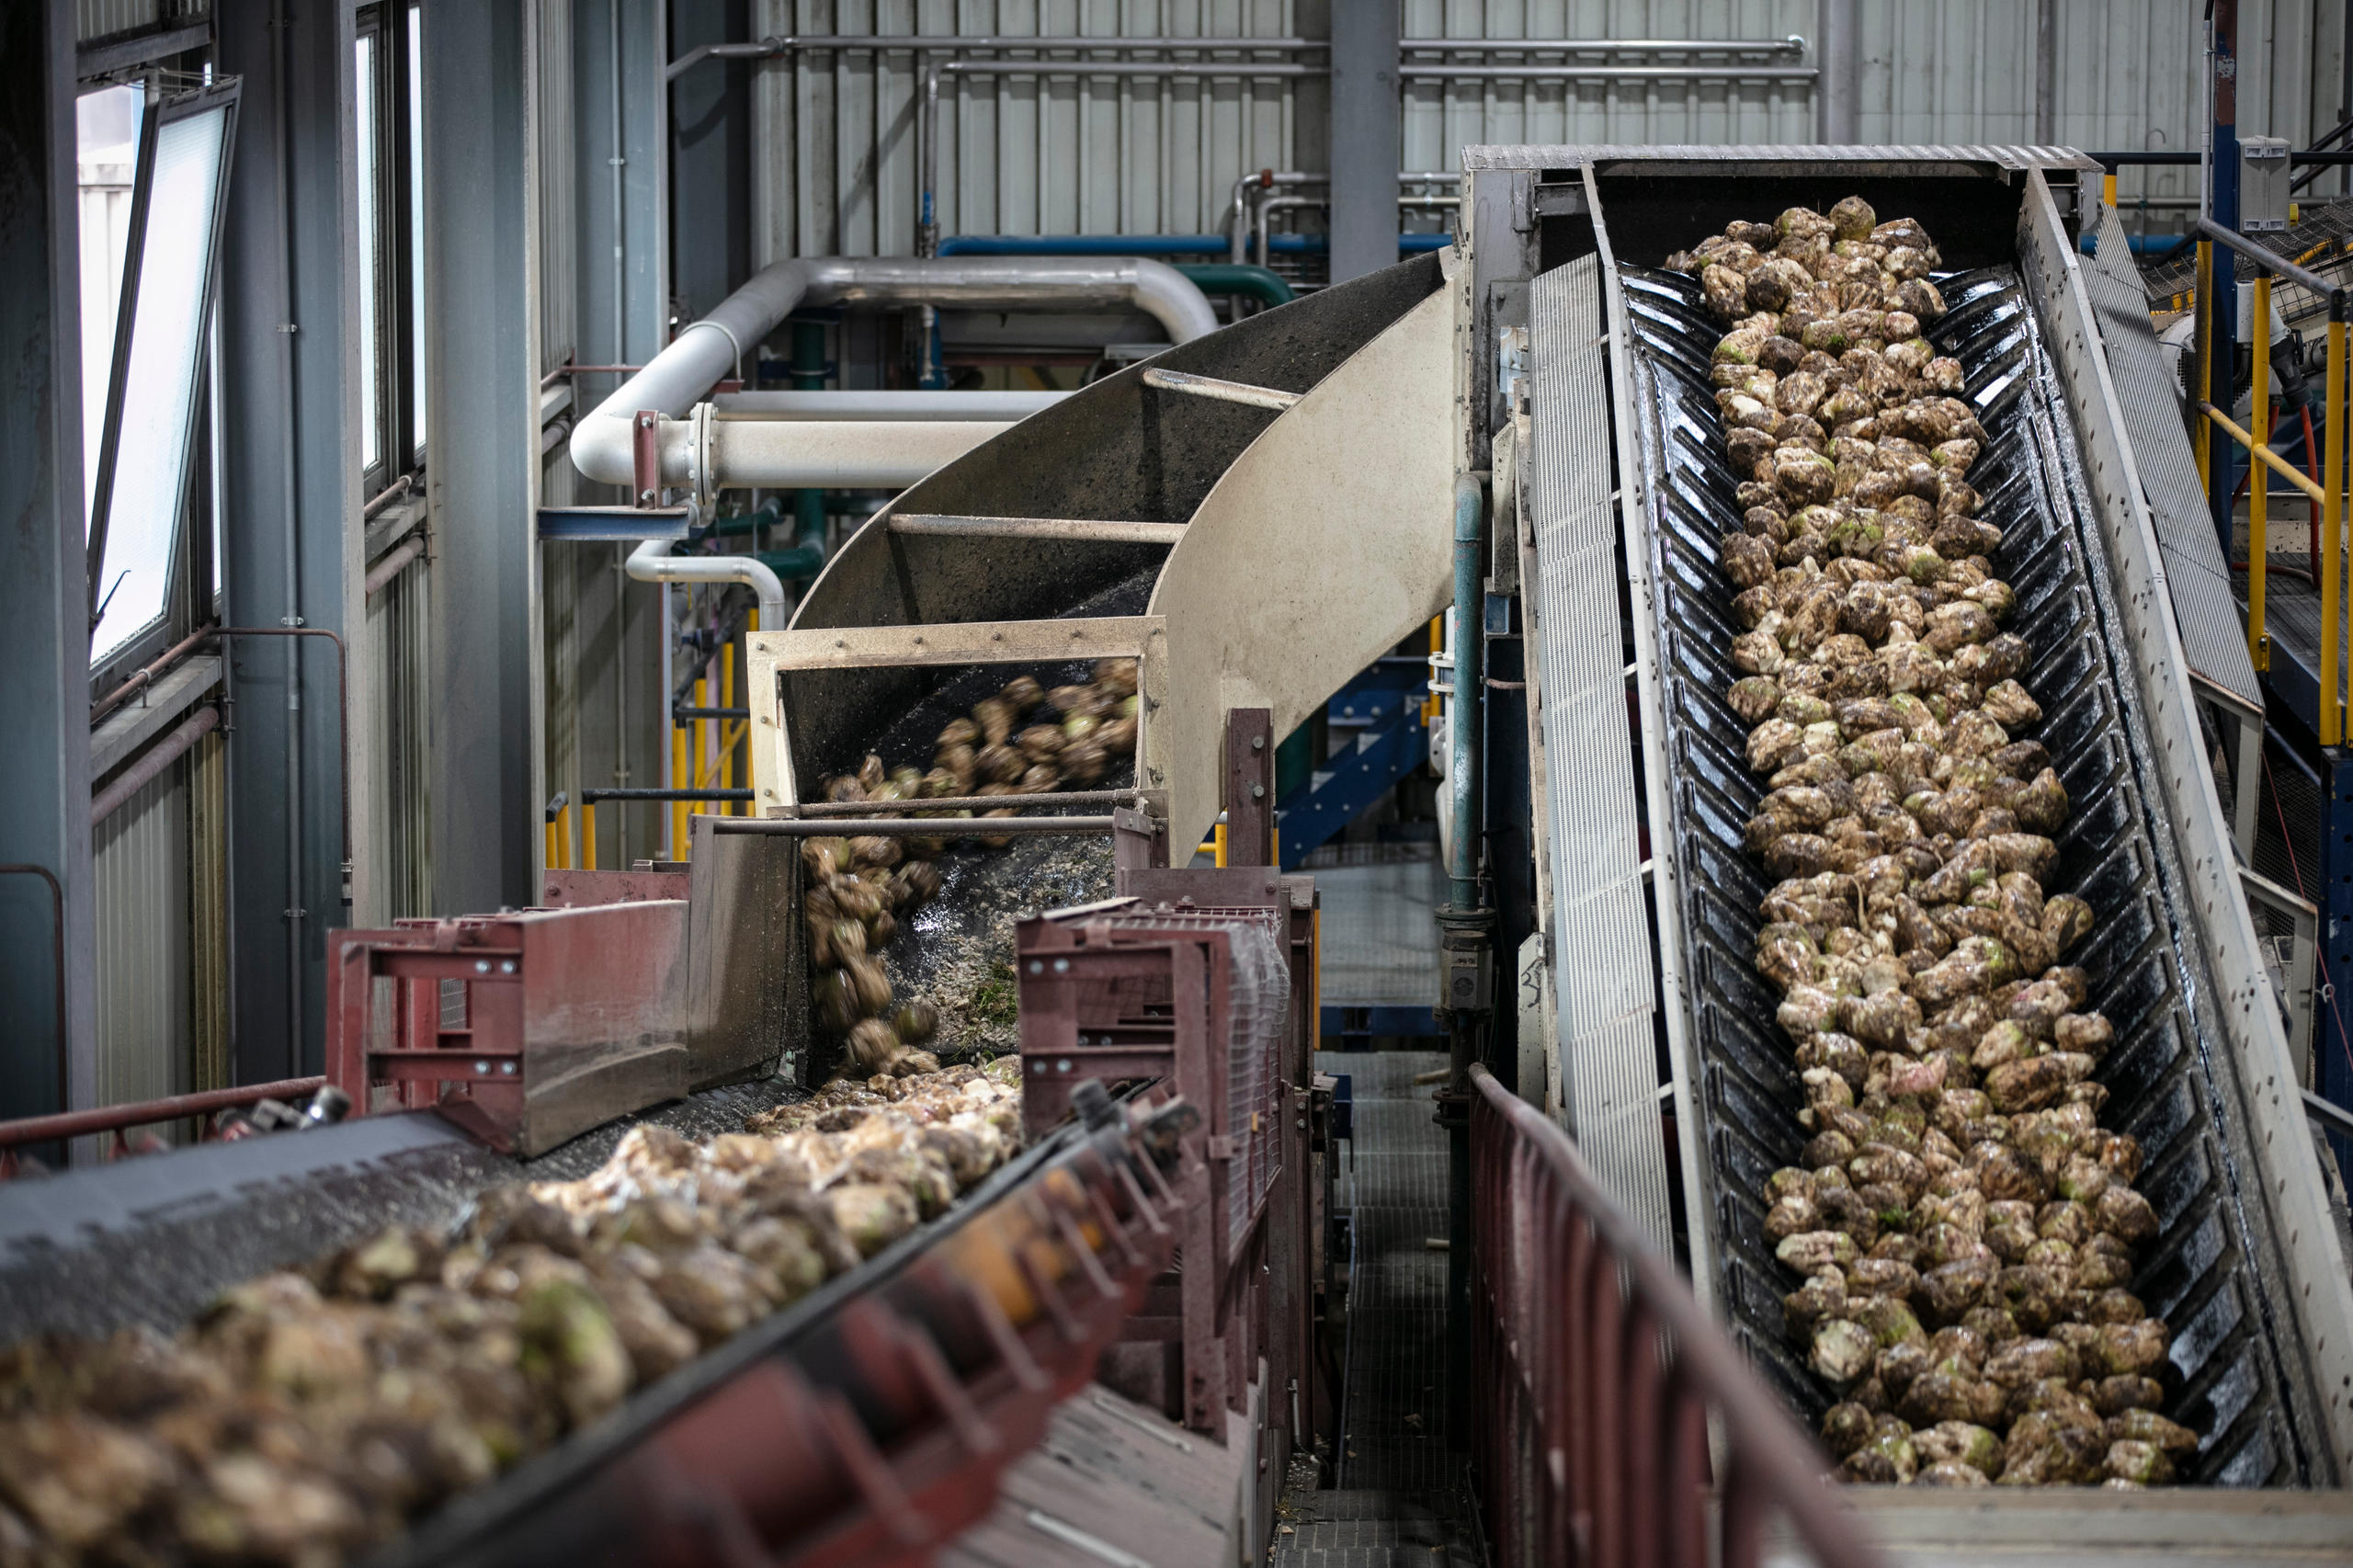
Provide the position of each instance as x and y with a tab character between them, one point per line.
1598	1372
120	1118
2337	294
2327	491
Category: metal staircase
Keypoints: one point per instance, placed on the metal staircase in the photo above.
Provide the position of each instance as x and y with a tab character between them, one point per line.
1381	710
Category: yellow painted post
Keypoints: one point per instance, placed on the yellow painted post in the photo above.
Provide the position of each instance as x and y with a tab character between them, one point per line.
2205	306
1220	841
587	836
549	857
727	750
2107	187
2331	542
2258	478
679	779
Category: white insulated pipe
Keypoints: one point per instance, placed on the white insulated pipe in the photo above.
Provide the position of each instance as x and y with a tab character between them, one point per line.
680	376
653	563
704	454
1005	407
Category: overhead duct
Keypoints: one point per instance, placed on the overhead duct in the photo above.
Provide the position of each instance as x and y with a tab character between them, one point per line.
715	347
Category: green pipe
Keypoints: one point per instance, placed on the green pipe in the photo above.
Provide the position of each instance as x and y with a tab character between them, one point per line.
808	505
1233	278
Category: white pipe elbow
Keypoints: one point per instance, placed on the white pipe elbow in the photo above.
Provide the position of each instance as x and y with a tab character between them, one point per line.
653	563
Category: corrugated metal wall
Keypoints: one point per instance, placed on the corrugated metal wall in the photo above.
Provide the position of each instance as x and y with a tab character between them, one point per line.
106	18
140	866
398	652
836	130
1441	117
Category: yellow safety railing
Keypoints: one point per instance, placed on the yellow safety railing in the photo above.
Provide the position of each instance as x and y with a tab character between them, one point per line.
2326	492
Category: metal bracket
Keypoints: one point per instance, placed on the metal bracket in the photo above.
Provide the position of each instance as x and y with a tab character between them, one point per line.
645	457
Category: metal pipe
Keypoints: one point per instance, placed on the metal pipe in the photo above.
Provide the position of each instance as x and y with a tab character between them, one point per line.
1084	530
147	675
919	827
2046	72
833	454
884	405
1463	761
1609	72
918	44
1025	67
983	803
153	761
281	42
928	217
394	561
342	713
57	953
1221	391
653	563
704	352
29	1129
386	496
1273	204
1836	112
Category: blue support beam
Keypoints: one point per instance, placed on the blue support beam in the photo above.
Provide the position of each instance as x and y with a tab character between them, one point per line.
2333	1071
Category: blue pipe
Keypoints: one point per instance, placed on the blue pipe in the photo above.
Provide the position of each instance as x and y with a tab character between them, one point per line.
2143	245
1153	245
1470	690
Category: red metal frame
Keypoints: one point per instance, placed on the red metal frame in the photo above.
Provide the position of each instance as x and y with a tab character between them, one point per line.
1597	1374
541	994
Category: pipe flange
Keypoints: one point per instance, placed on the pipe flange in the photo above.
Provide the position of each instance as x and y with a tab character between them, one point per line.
702	471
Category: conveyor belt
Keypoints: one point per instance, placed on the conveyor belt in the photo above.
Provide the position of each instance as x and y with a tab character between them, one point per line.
2238	1376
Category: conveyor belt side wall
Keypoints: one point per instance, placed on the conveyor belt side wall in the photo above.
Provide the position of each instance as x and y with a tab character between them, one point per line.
2246	1372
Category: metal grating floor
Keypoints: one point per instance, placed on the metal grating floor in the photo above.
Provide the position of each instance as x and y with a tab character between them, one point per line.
1394	1189
1379	942
1396	1502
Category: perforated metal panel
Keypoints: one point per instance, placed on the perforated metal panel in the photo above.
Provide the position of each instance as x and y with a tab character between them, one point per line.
1605	1004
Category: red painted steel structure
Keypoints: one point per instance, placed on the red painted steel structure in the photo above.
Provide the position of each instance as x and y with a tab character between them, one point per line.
490	1018
1597	1374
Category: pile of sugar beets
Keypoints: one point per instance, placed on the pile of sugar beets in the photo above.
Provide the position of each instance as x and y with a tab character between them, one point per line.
1024	740
309	1413
1965	1226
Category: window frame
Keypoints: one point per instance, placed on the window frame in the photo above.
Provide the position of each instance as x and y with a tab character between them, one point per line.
392	403
187	555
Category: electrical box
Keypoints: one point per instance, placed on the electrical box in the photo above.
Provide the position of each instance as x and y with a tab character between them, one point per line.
1466	971
2263	184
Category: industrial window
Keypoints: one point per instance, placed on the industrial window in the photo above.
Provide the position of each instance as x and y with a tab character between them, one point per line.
145	435
392	247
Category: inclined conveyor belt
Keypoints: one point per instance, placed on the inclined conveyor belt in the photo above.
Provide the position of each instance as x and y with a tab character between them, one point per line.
2215	1275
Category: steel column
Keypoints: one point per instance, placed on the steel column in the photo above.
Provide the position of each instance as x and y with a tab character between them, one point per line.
1837	90
1366	118
292	537
44	621
2333	1066
481	386
623	242
2222	308
710	160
